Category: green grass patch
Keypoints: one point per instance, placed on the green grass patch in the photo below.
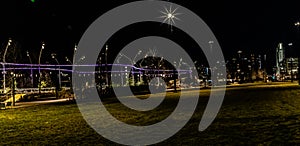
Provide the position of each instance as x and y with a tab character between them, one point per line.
251	117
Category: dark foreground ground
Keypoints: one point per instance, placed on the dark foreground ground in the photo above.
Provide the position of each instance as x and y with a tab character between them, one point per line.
249	116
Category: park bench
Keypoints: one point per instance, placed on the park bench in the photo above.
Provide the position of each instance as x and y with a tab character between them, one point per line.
2	105
9	104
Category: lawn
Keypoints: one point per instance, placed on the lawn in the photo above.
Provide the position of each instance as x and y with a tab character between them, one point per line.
248	116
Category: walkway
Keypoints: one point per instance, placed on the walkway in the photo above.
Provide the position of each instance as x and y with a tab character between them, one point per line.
17	98
234	86
34	103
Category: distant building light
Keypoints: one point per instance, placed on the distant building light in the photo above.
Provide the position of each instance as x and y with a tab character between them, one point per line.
280	45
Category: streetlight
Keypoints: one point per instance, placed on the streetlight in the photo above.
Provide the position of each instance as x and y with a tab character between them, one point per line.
132	61
72	63
75	49
106	69
42	48
141	77
4	72
140	51
123	55
31	71
211	45
121	73
59	78
70	79
68	60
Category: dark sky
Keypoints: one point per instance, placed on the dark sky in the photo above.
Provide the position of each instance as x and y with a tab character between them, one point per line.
252	26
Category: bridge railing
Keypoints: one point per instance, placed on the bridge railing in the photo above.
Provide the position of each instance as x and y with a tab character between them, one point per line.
35	90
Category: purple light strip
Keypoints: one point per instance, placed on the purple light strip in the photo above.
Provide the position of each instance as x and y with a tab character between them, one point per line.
92	72
49	65
24	68
66	65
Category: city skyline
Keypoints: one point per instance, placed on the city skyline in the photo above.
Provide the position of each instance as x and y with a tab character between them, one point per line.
172	72
251	26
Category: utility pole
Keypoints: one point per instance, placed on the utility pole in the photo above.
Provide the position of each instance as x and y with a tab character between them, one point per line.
59	74
31	70
4	72
297	24
13	90
42	48
106	69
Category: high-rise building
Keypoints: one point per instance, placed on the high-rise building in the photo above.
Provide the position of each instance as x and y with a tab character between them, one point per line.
286	67
280	55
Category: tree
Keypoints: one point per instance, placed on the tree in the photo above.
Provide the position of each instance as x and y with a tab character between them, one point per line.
46	80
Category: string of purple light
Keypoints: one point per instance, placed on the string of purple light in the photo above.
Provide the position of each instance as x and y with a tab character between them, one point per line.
46	67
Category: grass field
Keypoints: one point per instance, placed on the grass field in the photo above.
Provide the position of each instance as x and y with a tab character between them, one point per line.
248	116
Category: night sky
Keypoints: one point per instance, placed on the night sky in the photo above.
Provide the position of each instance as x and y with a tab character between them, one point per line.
252	26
